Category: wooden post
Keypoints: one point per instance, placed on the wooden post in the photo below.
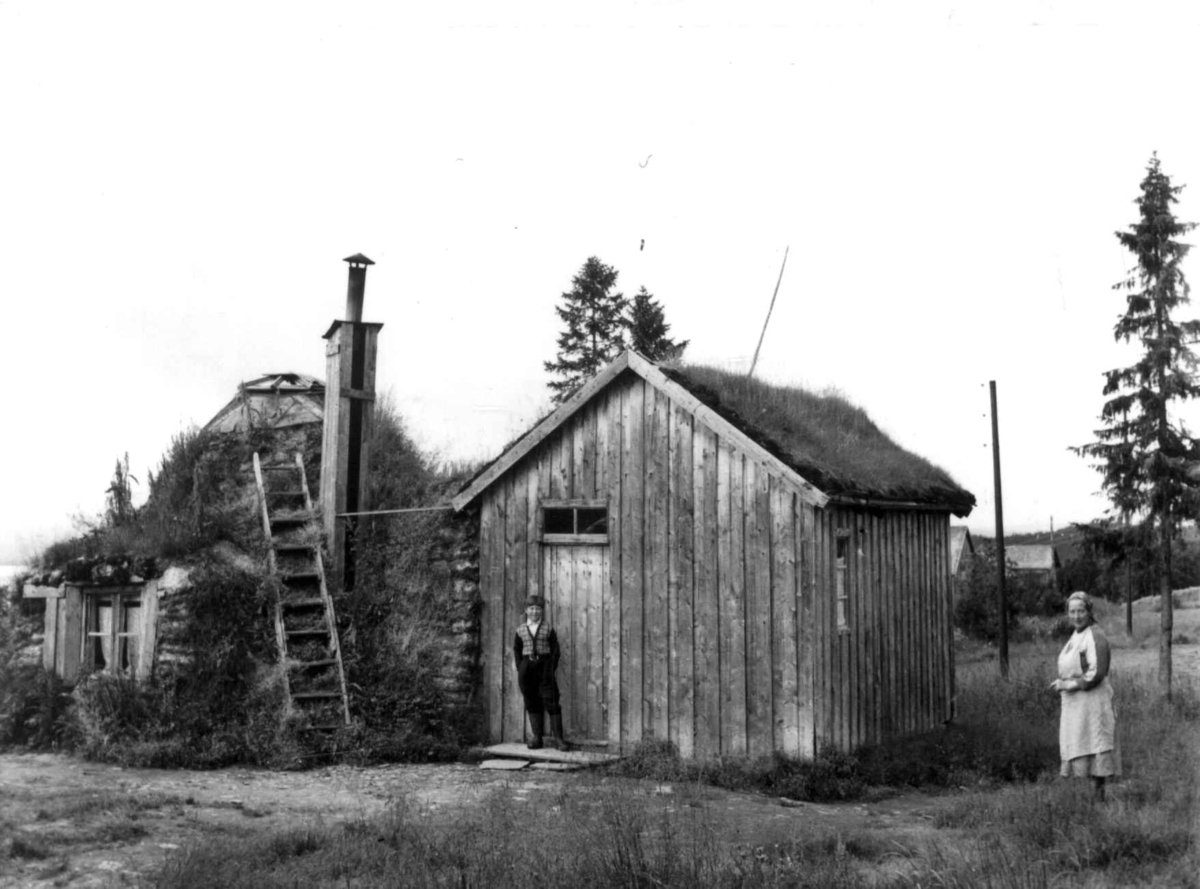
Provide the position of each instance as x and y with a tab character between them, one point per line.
999	535
1128	586
350	351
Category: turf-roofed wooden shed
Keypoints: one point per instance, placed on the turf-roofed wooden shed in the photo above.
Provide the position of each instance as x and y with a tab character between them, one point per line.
735	567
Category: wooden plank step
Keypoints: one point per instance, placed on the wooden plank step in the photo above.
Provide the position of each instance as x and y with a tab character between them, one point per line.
303	603
317	632
278	467
306	664
512	750
293	547
314	695
302	519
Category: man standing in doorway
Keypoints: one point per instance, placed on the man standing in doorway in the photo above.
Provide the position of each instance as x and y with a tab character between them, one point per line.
535	655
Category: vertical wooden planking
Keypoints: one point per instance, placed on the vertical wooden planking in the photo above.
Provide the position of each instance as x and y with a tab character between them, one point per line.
148	629
515	504
805	623
933	632
910	613
951	666
822	727
552	448
898	599
935	611
927	628
853	640
948	620
887	557
858	646
906	607
632	566
873	526
731	570
583	463
602	457
759	639
491	618
60	629
923	582
536	490
870	684
680	581
826	596
886	637
897	560
70	637
935	628
596	645
588	578
785	601
570	620
612	592
656	685
706	648
50	636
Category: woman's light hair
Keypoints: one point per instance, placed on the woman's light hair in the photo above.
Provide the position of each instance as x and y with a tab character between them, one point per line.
1082	597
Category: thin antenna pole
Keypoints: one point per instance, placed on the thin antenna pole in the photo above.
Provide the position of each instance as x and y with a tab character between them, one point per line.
758	348
1000	560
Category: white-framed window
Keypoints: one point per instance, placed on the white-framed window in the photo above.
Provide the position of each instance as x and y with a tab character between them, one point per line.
574	521
112	631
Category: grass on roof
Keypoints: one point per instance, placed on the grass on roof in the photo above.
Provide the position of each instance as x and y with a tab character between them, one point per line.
825	438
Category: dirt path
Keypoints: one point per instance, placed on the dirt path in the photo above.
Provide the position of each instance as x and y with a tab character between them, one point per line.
104	825
64	822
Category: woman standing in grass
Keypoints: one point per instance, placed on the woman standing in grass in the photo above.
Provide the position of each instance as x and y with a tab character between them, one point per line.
1087	732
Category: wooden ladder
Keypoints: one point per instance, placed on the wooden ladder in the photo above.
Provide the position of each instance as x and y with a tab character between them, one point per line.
305	628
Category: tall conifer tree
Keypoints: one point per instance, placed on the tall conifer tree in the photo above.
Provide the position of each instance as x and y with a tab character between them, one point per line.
593	312
648	329
1142	452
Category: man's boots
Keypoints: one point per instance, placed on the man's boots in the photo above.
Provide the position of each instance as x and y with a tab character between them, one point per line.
536	729
557	740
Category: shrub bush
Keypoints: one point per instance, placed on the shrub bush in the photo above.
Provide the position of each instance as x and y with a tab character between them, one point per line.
226	706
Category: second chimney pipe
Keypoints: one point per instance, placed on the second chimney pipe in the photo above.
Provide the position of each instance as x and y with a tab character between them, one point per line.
356	286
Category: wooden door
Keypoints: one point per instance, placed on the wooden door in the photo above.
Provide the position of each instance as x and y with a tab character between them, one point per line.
575	579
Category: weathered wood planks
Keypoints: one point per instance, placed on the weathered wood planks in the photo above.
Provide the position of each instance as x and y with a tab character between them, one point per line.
710	617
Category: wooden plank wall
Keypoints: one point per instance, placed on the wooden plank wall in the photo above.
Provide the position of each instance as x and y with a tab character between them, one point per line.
891	671
714	625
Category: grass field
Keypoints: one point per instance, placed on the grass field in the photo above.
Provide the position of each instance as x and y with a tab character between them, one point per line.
596	832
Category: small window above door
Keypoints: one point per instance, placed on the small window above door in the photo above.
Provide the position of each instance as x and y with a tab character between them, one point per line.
574	521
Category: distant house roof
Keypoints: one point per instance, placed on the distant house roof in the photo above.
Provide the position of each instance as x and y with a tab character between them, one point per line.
1032	556
823	442
960	540
275	399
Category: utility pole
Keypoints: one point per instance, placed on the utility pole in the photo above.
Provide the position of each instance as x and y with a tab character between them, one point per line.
1000	560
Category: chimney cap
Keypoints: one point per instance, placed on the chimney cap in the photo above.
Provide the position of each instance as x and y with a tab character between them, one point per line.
358	259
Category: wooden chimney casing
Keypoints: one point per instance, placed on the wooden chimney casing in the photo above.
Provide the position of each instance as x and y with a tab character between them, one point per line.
350	354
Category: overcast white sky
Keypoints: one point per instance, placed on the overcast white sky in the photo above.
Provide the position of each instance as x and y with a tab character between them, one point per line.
178	188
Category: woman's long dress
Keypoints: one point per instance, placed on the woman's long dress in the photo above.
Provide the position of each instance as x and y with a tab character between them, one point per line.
1087	733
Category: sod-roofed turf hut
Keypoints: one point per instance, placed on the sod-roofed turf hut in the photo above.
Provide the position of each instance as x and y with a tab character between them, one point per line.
732	566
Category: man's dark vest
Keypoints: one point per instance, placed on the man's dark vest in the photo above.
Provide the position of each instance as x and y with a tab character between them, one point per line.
531	646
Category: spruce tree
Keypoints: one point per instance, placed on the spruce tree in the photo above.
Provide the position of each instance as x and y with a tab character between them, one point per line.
593	314
1143	453
648	329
